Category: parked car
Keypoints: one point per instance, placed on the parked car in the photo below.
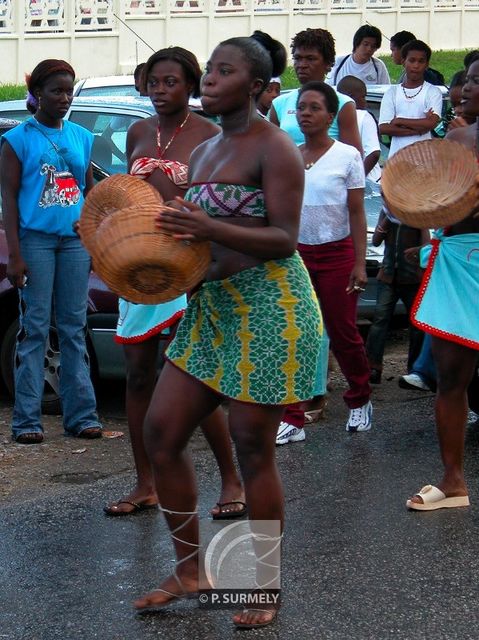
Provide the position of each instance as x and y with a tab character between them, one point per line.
106	86
122	86
109	121
15	110
109	117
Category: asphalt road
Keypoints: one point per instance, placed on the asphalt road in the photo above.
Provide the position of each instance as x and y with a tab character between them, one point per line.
356	564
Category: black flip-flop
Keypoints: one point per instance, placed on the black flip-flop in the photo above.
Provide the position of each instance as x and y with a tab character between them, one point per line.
137	508
230	515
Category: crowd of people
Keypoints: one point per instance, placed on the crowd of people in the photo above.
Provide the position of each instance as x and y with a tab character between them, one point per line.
287	228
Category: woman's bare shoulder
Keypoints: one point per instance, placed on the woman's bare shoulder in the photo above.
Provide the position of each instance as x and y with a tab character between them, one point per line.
205	127
142	127
274	139
464	135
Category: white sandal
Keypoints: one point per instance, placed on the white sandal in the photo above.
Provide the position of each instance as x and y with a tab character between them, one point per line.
433	498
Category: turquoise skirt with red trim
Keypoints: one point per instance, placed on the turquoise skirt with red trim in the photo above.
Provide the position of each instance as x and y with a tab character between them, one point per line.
447	303
138	322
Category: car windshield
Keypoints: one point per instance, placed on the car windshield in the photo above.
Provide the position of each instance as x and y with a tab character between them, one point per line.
118	90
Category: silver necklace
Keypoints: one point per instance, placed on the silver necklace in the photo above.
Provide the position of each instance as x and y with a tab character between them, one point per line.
413	95
47	135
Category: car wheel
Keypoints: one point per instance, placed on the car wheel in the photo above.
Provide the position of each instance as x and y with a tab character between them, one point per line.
51	404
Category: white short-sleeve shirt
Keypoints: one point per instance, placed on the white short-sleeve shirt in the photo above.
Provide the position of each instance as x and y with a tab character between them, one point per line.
368	130
325	213
395	105
373	71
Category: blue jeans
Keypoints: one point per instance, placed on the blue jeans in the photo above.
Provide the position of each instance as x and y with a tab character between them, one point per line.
387	297
58	269
424	365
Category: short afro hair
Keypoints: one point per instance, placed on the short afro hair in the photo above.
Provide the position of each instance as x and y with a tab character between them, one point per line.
318	39
330	95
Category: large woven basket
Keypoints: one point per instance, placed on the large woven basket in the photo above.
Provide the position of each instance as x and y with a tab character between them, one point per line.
110	195
134	258
431	184
141	263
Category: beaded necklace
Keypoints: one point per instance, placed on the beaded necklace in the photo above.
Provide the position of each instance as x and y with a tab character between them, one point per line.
413	95
175	133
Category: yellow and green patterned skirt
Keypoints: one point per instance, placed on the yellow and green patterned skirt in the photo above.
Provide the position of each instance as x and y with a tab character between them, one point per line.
255	336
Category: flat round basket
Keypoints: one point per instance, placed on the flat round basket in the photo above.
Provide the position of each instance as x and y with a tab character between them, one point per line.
431	184
110	195
141	263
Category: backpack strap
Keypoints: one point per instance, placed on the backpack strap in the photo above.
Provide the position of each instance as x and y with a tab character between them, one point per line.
341	64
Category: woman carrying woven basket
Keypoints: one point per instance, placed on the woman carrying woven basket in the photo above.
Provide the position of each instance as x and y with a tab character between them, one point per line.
158	150
251	333
446	307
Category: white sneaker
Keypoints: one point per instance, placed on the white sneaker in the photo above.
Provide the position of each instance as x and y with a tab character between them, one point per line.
413	381
288	433
360	418
472	417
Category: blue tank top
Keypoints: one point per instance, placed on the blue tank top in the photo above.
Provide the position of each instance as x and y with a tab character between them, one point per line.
54	163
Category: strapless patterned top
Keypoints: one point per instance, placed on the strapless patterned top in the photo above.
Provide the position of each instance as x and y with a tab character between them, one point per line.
177	172
227	200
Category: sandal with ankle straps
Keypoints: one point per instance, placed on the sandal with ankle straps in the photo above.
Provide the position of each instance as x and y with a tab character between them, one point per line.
184	595
265	588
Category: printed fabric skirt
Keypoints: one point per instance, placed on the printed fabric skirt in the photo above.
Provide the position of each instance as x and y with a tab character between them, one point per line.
138	322
255	336
447	301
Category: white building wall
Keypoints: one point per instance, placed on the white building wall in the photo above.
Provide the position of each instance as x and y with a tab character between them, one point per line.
102	37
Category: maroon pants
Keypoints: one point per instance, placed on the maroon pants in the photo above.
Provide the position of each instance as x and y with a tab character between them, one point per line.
329	267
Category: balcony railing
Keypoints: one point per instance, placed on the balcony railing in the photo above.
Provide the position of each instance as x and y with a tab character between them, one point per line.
46	16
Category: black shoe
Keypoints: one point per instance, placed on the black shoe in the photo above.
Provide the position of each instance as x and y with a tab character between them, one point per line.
375	376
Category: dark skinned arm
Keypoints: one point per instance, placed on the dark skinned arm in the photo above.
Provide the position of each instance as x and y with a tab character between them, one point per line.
89	181
419	125
370	161
389	129
381	229
10	175
273	116
283	197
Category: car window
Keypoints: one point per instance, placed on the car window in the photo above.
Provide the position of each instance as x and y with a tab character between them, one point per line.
120	90
373	106
372	202
19	114
109	145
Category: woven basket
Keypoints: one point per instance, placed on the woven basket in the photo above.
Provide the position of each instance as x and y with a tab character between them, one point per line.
110	195
431	184
141	263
